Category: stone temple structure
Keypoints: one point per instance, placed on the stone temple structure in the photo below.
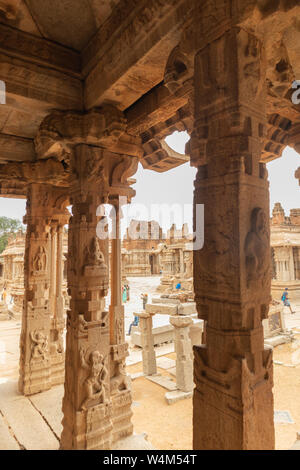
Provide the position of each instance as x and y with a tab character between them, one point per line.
12	272
285	242
154	252
141	248
92	89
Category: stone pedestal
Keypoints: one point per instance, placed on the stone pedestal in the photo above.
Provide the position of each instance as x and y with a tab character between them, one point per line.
148	352
184	353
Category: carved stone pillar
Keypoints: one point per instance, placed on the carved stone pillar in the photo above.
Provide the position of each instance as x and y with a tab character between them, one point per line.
100	156
184	352
87	409
147	341
53	253
57	320
35	365
119	381
233	401
291	264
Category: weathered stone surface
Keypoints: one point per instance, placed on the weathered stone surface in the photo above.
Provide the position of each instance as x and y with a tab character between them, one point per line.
165	363
177	395
147	343
49	404
134	442
184	352
162	309
163	381
7	441
161	334
20	413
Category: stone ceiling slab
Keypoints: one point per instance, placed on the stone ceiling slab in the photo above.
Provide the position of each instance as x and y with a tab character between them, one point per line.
68	22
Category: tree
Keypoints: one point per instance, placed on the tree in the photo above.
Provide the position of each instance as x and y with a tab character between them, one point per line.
7	228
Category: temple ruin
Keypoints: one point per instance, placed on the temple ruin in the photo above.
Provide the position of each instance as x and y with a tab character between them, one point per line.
88	98
285	243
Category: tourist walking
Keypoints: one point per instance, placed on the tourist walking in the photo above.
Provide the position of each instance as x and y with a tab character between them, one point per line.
128	292
285	299
144	298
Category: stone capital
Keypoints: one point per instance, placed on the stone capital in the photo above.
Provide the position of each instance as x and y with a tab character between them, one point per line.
103	127
144	315
181	321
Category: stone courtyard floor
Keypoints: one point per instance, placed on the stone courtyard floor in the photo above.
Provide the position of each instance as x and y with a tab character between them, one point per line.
35	422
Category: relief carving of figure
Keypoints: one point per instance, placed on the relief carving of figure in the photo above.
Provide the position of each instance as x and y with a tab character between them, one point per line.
121	380
257	246
94	385
94	255
40	260
39	348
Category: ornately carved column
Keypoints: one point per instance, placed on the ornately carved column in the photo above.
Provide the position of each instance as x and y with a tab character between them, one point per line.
57	309
87	409
35	365
233	401
119	383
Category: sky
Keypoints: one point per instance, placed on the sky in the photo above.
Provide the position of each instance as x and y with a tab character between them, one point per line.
176	187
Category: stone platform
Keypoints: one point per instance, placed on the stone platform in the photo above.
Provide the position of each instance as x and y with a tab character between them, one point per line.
34	423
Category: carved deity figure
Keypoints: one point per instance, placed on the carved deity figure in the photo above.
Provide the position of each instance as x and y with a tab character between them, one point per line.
94	255
57	347
94	385
256	246
121	380
39	349
40	260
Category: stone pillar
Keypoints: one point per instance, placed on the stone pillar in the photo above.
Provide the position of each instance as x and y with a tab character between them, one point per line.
53	233
291	264
147	341
57	321
233	371
35	365
116	307
184	352
87	421
119	381
181	257
59	304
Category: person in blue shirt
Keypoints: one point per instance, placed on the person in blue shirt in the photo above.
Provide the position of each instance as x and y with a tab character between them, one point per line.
285	299
178	286
134	323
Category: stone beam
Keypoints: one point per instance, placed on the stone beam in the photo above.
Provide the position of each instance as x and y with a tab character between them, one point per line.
16	149
25	46
14	190
155	107
122	64
32	86
49	171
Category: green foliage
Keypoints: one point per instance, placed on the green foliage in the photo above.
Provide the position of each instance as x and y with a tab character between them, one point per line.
7	228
